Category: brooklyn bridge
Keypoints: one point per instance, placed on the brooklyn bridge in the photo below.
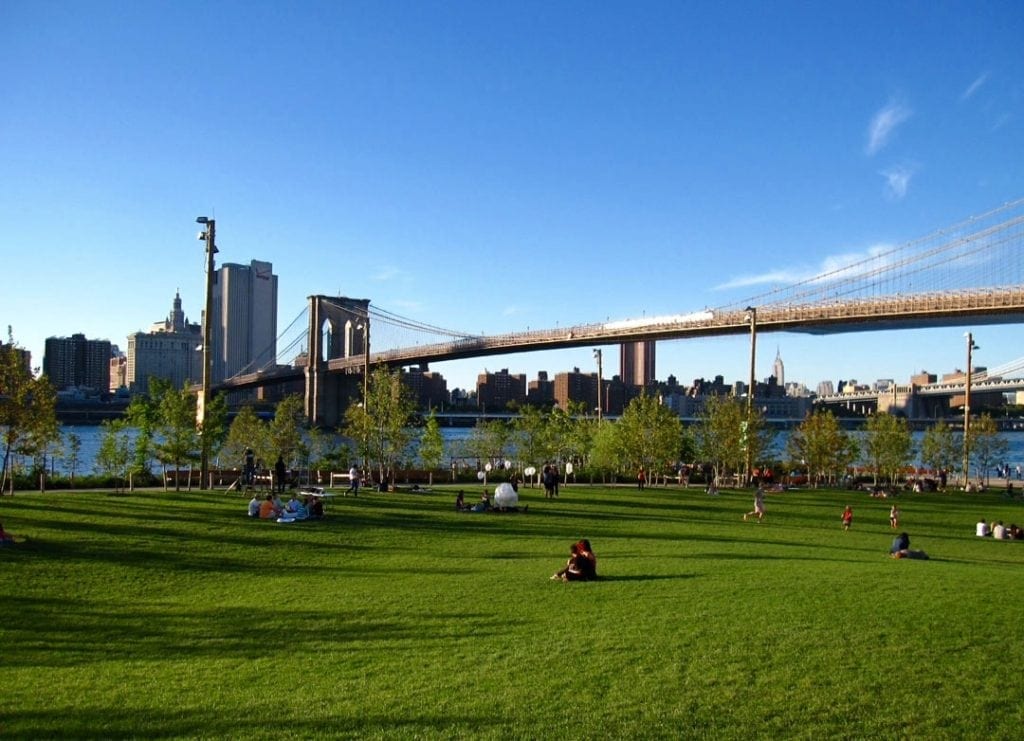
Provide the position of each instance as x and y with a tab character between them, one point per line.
967	274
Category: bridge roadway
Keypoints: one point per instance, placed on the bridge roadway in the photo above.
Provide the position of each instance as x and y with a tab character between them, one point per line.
952	308
949	388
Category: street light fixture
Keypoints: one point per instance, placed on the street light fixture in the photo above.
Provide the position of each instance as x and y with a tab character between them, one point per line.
365	326
967	410
209	236
600	383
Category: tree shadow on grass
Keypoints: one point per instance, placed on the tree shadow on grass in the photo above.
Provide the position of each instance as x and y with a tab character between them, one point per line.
645	577
70	632
276	720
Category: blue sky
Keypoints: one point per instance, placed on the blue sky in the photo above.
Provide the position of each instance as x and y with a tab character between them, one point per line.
492	167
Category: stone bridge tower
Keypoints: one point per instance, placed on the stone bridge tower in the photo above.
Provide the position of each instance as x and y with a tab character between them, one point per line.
338	328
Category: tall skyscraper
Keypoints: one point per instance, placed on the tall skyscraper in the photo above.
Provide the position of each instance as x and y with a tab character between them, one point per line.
77	362
244	318
778	370
637	363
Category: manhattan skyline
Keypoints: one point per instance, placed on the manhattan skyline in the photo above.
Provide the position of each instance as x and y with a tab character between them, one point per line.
490	168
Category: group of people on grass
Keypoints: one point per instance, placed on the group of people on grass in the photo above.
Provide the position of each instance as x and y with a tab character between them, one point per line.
582	563
999	531
894	517
271	507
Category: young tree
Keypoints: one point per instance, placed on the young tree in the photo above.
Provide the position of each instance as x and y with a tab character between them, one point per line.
721	433
176	428
532	438
28	416
489	440
889	446
649	434
822	446
607	452
940	448
115	453
988	448
382	430
72	454
246	431
431	446
286	429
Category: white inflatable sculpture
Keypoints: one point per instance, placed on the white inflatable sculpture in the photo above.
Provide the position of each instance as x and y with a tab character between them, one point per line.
505	495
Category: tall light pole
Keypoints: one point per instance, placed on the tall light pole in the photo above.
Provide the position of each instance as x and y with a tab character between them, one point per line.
365	326
210	235
967	411
752	318
600	383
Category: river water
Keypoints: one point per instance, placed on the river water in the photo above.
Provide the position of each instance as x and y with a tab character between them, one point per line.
92	435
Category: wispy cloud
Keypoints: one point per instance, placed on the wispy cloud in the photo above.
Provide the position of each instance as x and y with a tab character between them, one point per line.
389	273
406	305
831	268
512	310
883	124
974	86
897	181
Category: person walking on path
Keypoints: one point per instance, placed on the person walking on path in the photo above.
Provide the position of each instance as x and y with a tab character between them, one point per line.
353	481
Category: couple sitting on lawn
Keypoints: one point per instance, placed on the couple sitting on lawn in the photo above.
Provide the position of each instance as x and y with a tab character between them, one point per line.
582	563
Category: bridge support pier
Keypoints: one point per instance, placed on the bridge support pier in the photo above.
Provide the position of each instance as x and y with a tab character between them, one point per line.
333	334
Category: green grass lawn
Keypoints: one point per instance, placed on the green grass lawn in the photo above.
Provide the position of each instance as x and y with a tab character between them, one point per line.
174	615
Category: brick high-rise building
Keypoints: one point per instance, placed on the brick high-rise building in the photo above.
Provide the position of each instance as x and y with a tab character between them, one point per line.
576	387
77	362
637	363
496	390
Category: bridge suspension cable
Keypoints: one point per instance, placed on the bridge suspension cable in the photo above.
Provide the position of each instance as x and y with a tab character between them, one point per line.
980	252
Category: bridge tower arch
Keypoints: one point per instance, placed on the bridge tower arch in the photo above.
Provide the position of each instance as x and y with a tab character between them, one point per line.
334	333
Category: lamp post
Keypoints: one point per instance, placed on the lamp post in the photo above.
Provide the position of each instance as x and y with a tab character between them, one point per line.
365	326
600	383
210	236
967	411
752	318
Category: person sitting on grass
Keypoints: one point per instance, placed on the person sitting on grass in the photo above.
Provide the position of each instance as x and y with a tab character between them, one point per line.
5	537
484	504
900	543
582	563
999	531
460	502
296	509
901	549
981	529
571	564
589	560
268	510
254	506
315	508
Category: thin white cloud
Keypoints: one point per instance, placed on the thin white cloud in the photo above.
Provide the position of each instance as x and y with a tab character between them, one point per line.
897	181
974	86
389	273
831	268
883	124
512	310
